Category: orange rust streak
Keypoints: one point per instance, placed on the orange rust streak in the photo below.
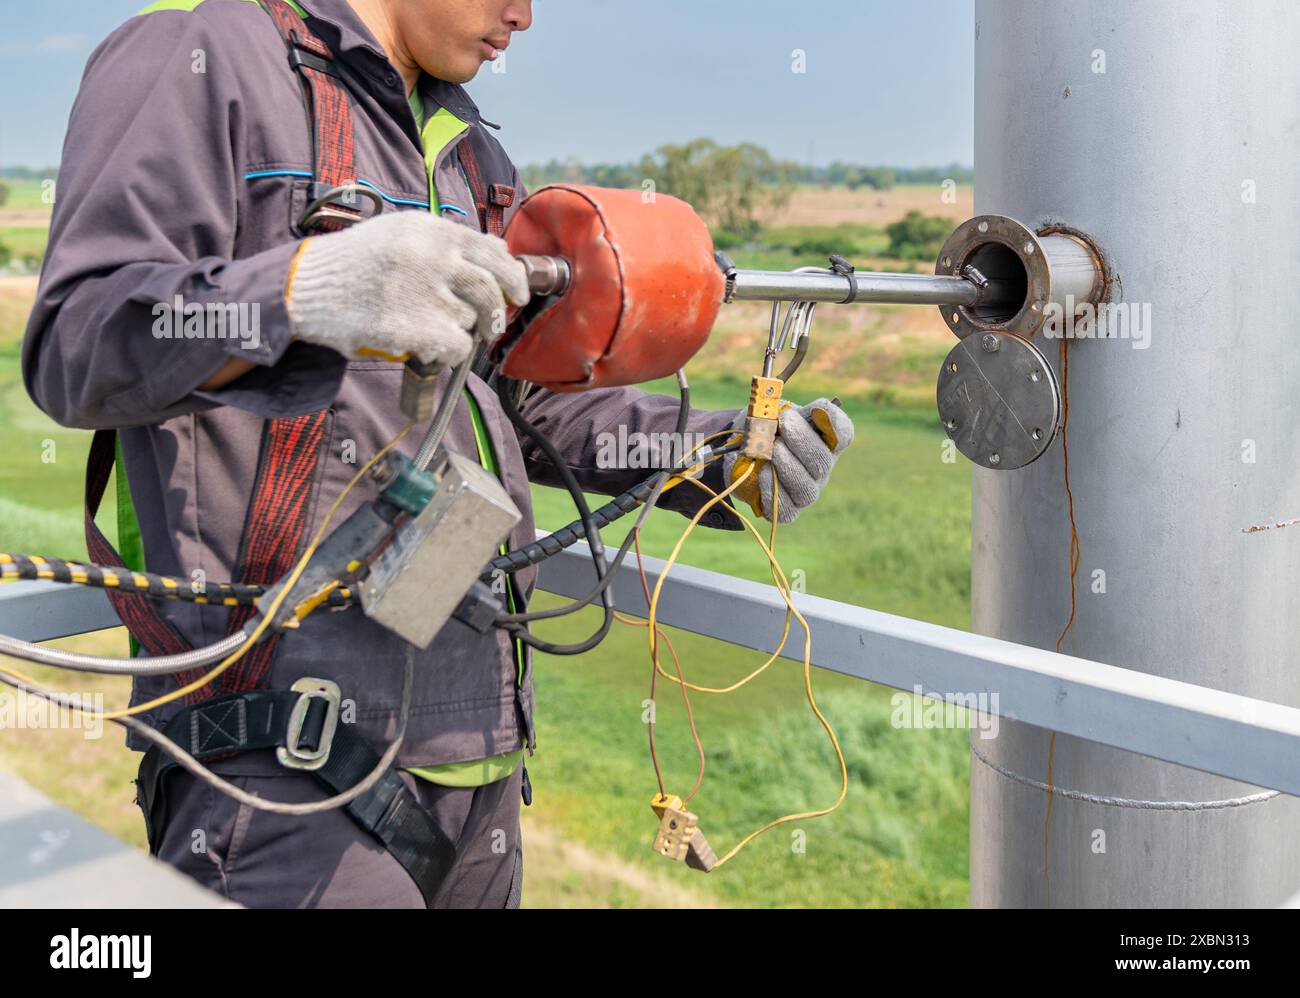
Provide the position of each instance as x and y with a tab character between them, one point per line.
1075	557
1075	551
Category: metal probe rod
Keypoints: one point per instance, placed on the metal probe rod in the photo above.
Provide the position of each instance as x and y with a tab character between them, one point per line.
547	275
551	275
898	289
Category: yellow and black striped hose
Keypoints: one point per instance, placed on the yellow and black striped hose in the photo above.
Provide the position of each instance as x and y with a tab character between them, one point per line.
34	567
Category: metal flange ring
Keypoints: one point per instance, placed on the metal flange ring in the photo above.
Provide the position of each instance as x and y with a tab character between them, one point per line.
1000	249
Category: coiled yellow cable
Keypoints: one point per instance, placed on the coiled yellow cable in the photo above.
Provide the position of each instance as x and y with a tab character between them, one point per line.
783	586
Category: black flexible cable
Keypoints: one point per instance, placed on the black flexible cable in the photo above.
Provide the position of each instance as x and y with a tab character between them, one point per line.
583	602
652	484
655	487
600	587
521	423
553	543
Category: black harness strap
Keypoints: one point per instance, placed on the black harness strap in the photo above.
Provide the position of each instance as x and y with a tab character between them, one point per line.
140	615
259	720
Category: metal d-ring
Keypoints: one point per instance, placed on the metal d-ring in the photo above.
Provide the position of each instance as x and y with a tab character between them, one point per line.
325	209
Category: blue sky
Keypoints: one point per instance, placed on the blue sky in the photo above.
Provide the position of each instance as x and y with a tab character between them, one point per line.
608	80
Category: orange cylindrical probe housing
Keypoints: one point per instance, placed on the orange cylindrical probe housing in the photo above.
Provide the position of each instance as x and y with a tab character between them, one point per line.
644	289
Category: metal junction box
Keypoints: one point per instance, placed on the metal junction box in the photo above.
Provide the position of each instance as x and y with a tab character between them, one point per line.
415	585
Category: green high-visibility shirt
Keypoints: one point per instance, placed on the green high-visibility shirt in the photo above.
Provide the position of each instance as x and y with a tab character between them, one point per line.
436	132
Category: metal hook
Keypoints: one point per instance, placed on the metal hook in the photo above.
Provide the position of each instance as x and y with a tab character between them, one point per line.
794	329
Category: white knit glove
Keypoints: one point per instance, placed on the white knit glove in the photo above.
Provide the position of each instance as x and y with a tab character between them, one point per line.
809	440
405	283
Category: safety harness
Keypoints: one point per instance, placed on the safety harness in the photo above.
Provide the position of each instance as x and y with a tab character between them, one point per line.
239	716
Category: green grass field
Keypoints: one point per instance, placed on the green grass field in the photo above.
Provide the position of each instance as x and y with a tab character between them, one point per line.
24	241
891	532
25	195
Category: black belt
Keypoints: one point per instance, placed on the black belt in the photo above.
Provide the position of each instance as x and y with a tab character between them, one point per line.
303	728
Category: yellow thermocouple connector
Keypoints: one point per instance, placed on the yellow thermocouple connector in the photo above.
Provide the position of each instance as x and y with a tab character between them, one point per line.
761	417
661	802
679	835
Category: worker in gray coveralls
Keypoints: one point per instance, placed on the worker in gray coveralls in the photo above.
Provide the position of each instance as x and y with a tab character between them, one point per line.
186	163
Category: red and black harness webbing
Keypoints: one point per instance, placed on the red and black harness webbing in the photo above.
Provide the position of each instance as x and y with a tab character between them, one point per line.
278	515
327	102
490	200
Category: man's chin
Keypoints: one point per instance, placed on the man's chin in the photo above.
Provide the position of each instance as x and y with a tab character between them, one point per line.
461	72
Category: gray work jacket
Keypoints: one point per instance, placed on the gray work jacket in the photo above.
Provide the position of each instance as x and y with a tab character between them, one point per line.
186	160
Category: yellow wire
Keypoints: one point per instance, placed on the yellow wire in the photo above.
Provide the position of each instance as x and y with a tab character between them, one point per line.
680	477
785	635
783	586
24	677
677	549
267	617
712	689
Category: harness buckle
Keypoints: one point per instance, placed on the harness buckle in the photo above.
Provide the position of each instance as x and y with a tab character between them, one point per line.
312	723
339	206
301	57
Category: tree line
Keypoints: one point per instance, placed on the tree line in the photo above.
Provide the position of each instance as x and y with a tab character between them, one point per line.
736	188
28	172
770	170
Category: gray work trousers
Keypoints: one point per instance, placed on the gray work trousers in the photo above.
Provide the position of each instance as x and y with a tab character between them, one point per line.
263	860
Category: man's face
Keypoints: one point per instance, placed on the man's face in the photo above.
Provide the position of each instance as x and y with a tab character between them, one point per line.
451	39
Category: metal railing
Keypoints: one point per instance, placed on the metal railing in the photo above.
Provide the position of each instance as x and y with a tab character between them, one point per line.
1234	736
51	858
1238	737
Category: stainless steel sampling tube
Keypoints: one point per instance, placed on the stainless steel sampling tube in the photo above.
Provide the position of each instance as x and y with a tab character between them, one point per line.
899	289
551	275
